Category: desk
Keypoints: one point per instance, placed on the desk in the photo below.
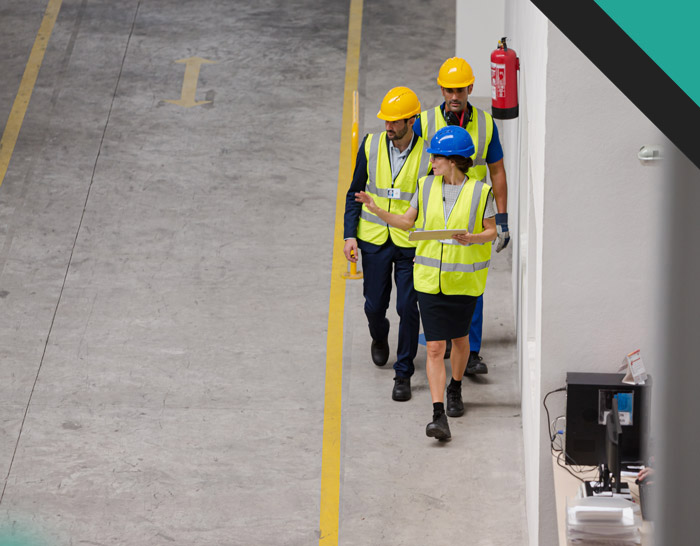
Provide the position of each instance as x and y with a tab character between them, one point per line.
566	486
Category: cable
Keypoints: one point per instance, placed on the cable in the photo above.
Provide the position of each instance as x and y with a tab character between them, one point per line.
557	433
562	451
565	467
544	403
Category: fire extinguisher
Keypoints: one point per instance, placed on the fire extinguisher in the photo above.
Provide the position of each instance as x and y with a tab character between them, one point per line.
504	82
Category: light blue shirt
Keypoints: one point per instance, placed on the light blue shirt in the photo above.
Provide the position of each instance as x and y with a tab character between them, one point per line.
397	158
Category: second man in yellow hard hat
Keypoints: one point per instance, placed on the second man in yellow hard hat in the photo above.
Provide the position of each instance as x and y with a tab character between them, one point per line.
387	167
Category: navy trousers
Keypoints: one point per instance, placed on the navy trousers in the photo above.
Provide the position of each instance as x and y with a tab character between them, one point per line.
476	326
377	265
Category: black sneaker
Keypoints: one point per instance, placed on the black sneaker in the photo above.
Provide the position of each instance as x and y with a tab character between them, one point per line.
475	365
439	429
402	389
455	406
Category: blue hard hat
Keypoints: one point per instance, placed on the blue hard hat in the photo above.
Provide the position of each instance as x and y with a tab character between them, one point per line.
452	140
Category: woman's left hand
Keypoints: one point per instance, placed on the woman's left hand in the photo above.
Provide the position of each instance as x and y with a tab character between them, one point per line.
366	200
463	239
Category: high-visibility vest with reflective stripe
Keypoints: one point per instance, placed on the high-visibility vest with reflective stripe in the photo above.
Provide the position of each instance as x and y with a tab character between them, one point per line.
449	267
391	195
480	127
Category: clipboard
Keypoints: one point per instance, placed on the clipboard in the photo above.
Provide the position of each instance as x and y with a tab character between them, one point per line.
431	234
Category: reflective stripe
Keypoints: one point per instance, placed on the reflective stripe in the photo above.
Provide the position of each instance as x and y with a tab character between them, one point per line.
372	218
465	268
424	163
481	127
476	198
461	268
372	164
430	262
427	185
430	126
384	192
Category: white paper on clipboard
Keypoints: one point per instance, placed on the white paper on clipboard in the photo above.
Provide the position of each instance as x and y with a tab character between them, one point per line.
431	234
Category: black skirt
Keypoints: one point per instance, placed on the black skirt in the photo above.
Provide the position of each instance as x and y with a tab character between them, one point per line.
445	317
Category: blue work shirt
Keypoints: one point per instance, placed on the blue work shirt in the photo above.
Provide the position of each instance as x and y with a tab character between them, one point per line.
494	152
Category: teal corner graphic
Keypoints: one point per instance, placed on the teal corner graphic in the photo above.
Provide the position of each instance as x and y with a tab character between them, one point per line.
666	32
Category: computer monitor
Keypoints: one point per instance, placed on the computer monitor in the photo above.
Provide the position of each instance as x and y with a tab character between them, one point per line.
613	442
588	401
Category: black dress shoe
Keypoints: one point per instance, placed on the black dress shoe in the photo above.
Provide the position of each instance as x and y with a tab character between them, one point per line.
448	348
380	351
475	365
402	389
455	406
439	429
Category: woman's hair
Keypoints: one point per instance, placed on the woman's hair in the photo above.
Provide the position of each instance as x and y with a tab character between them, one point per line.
462	163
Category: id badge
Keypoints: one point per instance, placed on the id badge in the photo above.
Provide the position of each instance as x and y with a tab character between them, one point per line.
394	193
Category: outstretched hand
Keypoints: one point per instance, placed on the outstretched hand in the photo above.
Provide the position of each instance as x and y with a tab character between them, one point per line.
366	199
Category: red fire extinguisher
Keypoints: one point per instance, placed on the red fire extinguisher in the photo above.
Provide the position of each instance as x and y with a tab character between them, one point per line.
504	82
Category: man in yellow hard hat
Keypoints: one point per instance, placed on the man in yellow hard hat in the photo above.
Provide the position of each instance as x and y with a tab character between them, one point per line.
387	167
456	81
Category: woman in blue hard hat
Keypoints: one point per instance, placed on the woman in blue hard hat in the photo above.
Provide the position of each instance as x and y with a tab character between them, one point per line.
449	274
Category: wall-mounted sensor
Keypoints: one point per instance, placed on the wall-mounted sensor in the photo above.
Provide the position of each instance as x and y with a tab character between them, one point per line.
649	155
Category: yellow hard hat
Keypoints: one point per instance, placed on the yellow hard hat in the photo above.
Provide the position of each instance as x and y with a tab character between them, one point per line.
455	73
399	103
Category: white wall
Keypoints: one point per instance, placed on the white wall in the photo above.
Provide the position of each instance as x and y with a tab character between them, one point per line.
587	216
603	214
525	165
475	42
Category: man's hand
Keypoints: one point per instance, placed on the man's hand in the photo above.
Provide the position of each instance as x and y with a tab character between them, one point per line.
502	231
350	250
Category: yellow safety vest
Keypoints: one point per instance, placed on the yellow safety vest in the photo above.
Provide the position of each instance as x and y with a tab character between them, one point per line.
480	127
391	195
449	267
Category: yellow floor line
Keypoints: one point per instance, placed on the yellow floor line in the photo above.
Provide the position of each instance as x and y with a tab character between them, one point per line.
26	86
330	461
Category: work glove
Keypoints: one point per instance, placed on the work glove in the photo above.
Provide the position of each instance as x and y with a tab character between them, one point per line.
502	231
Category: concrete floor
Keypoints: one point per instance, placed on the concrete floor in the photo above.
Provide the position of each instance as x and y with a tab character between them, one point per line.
164	284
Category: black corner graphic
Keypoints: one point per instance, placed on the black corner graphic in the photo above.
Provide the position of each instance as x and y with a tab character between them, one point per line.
629	68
